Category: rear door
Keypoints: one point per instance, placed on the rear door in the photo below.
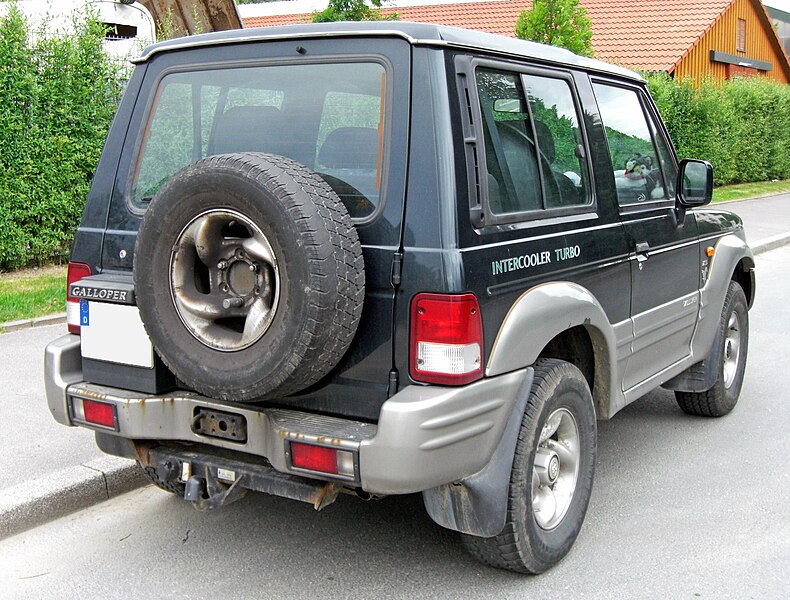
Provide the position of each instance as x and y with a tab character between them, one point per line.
664	256
334	106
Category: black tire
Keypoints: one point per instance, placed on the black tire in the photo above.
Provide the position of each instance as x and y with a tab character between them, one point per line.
722	397
524	545
307	276
174	487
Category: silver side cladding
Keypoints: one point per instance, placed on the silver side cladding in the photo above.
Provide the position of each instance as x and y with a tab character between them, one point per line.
62	367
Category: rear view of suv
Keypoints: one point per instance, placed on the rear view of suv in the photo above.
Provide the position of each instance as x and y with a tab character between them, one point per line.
393	258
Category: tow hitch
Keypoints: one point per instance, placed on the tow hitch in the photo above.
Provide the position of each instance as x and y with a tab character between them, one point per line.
208	493
213	481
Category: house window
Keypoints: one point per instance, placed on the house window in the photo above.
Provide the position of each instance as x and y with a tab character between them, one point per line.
741	42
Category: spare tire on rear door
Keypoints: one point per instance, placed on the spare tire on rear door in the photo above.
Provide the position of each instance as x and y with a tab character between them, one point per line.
249	276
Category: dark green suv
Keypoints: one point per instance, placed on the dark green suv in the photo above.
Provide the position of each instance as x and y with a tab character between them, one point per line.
388	258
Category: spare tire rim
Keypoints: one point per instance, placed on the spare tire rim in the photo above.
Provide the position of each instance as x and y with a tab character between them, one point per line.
556	468
224	280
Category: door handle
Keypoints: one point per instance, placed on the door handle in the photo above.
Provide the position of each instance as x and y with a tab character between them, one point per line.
642	249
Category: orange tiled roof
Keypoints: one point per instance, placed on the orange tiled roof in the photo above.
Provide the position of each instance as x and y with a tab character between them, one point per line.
656	35
642	34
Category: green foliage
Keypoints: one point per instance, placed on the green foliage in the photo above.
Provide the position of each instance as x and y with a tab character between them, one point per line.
350	10
741	126
57	98
560	23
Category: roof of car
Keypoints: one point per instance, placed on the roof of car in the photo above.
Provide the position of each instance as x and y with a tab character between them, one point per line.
415	33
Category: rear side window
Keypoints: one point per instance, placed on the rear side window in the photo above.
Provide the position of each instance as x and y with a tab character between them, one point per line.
644	170
534	153
329	117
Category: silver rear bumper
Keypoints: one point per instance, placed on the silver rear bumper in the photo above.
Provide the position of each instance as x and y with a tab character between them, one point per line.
426	435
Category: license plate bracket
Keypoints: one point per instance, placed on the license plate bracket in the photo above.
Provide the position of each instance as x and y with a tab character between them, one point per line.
219	424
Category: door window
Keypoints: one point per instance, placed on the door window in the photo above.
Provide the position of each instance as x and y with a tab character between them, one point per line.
533	145
643	170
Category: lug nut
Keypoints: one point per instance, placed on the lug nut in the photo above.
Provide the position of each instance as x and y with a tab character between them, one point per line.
232	302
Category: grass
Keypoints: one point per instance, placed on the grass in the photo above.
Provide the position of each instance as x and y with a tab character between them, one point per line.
741	191
32	293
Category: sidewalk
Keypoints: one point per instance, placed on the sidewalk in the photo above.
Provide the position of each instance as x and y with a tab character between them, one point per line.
50	470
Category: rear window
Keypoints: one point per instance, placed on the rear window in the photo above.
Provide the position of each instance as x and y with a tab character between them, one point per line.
329	117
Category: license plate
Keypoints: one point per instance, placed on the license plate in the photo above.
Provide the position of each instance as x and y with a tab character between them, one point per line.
114	333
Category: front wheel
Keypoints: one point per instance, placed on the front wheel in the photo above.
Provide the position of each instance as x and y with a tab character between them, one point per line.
552	474
733	341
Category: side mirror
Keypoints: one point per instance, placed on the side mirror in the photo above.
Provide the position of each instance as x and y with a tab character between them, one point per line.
695	183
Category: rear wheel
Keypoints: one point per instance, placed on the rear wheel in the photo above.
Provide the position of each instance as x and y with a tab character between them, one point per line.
733	340
552	474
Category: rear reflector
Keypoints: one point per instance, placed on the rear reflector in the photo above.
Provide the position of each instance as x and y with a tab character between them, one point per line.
322	459
94	413
76	272
446	339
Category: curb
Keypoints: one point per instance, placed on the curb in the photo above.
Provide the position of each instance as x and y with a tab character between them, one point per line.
771	243
58	494
55	319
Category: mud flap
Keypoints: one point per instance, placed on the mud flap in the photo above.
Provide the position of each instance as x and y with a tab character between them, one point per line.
477	505
700	376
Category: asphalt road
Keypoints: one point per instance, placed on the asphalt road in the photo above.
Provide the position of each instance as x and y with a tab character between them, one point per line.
762	218
682	508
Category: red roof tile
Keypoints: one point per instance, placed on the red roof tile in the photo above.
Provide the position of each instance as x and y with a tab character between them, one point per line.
643	34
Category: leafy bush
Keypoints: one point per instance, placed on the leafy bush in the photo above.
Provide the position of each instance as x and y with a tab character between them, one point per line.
57	98
741	126
560	23
349	10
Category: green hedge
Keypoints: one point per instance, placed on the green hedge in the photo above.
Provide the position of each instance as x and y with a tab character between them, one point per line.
741	126
57	99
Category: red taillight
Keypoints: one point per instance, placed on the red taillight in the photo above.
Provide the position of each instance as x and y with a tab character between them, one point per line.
446	339
76	272
322	459
97	413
